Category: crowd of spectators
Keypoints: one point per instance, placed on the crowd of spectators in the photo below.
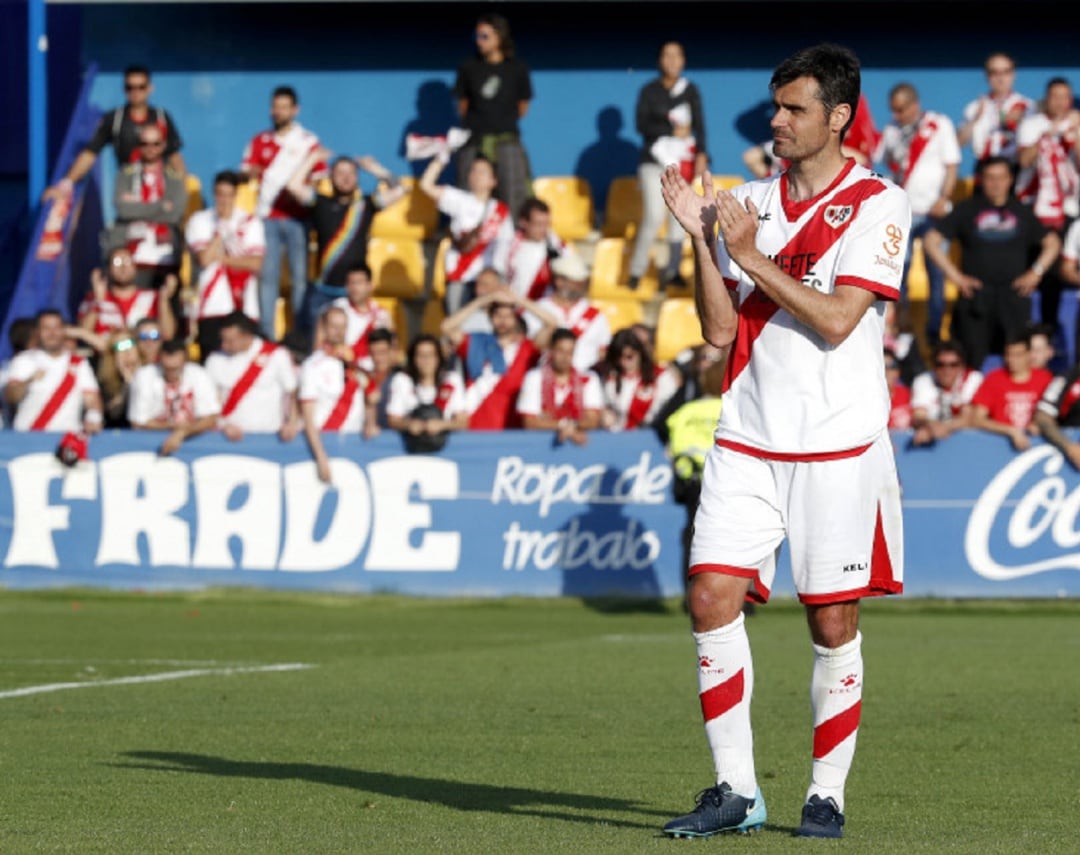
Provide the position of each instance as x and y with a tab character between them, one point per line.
522	344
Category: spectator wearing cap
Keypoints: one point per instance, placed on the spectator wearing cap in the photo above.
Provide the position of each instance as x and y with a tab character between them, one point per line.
573	310
494	364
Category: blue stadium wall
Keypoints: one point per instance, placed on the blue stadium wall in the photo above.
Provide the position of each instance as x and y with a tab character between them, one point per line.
368	73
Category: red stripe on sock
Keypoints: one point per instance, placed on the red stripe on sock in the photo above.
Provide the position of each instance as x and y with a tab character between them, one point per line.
835	730
722	697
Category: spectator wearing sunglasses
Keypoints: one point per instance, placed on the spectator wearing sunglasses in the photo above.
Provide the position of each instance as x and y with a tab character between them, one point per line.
148	340
941	397
150	198
121	129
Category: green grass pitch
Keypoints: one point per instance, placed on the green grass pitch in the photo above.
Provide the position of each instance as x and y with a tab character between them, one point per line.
152	723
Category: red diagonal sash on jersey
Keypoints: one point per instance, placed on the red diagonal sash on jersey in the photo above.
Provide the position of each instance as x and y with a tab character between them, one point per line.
444	396
497	410
248	378
926	132
640	405
59	395
583	322
817	235
337	416
489	228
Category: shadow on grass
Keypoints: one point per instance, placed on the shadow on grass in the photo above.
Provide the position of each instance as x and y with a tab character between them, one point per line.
453	794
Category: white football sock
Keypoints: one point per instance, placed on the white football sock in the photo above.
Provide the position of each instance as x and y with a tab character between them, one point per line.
836	699
725	686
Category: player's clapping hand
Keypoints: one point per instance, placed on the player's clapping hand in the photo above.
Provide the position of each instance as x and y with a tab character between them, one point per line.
696	214
738	224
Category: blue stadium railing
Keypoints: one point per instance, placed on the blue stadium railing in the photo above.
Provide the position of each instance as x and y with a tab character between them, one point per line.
47	281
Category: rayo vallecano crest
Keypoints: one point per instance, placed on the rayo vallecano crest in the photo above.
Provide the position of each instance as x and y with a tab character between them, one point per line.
837	215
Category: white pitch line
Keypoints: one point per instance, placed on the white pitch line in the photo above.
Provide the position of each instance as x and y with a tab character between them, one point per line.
152	678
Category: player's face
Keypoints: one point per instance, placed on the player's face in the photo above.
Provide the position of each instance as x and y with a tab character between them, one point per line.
137	89
358	288
800	126
343	177
122	268
224	199
172	366
50	334
282	111
335	326
562	356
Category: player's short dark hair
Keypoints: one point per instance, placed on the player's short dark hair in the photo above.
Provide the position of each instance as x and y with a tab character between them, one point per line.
834	67
228	176
359	267
136	69
994	160
286	92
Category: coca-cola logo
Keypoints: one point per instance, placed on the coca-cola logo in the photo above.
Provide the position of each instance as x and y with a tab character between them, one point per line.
1031	500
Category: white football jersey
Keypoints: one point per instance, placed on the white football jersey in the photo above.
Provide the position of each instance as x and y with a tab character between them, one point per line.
787	391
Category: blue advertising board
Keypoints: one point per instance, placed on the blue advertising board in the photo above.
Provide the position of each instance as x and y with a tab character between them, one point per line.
493	514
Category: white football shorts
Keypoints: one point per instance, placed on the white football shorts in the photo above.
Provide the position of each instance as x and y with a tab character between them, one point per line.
841	519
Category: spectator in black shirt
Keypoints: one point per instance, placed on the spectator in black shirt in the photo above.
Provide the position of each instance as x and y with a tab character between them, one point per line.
494	88
121	128
1004	252
341	221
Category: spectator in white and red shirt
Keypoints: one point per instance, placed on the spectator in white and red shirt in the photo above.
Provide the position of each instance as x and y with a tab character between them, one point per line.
256	382
273	157
558	397
173	395
534	246
116	302
50	386
572	308
362	312
941	396
1006	399
333	390
228	245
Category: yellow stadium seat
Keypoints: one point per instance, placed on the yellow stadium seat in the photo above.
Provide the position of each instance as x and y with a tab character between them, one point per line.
571	201
397	266
247	196
722	182
414	216
401	318
677	328
611	263
621	313
622	207
964	188
324	186
195	200
438	271
433	316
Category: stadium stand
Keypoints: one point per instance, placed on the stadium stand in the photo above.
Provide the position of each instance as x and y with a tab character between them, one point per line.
571	201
